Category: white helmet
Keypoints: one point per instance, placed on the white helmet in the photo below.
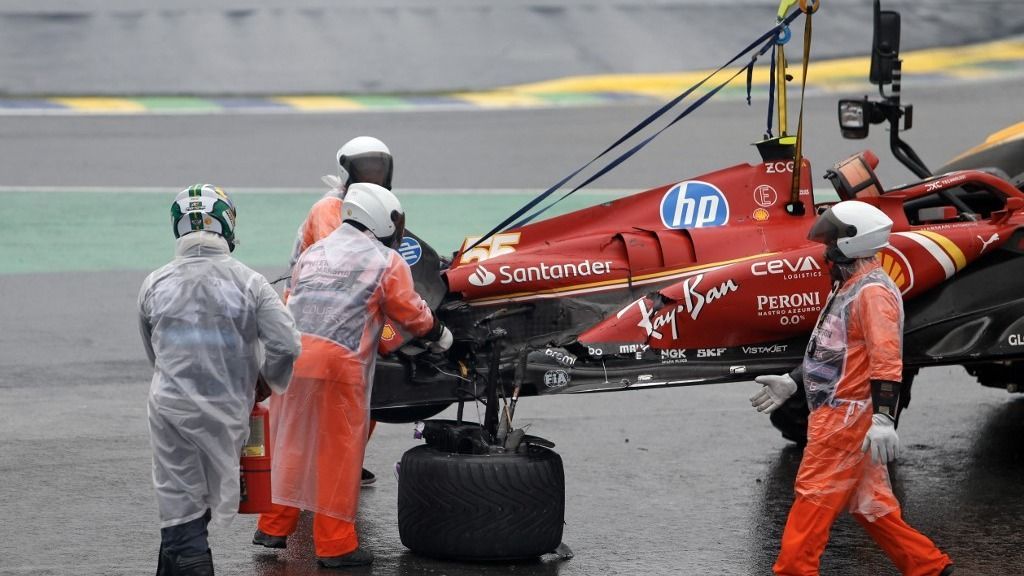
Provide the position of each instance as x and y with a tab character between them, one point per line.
851	229
366	159
375	208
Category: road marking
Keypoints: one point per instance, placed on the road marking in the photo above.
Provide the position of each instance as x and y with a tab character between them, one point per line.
991	60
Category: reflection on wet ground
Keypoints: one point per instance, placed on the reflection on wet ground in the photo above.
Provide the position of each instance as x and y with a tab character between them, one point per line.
676	481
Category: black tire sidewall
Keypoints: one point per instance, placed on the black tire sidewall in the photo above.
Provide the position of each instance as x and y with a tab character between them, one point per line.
481	506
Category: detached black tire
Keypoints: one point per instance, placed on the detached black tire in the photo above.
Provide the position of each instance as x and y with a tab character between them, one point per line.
481	506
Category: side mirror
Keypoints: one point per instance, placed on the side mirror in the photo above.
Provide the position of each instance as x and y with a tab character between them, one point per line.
885	45
1013	204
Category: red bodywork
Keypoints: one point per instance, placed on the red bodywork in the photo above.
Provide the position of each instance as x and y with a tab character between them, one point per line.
743	274
709	280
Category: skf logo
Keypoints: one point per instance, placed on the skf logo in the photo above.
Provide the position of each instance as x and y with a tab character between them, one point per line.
481	277
895	264
694	204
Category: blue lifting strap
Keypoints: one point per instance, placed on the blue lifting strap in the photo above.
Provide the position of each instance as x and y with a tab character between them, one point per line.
770	36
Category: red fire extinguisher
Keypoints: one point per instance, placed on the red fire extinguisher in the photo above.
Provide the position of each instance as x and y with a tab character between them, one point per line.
255	477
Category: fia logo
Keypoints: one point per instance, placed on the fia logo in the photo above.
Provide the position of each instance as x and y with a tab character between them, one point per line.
694	204
556	378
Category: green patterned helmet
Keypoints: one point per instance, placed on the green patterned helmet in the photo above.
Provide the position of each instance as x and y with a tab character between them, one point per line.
204	207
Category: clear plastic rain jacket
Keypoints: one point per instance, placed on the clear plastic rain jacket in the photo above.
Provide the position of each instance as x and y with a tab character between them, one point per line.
343	288
323	218
858	338
209	325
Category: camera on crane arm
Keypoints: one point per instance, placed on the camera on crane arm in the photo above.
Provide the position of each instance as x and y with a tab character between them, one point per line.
856	116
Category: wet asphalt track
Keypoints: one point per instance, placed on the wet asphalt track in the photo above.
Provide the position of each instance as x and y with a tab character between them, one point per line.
679	481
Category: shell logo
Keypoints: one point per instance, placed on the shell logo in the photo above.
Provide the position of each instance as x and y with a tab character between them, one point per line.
388	334
895	264
760	215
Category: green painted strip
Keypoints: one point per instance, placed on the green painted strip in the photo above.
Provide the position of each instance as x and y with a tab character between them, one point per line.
86	235
572	98
381	101
163	103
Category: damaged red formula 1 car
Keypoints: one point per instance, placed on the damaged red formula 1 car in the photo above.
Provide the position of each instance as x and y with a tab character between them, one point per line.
706	280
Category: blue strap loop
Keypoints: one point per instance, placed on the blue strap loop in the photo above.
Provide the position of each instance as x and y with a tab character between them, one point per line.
784	35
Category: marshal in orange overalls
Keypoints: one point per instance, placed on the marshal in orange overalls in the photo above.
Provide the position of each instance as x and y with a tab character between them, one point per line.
858	338
343	289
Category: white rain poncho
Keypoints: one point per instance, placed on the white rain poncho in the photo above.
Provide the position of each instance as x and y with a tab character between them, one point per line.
209	325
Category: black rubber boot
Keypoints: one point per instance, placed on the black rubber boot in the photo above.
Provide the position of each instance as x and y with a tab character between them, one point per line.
201	565
357	557
947	571
165	563
261	538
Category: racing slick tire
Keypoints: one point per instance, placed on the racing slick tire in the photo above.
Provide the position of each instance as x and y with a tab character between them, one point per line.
475	507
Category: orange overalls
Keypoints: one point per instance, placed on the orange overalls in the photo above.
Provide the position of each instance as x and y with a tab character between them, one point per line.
858	338
343	289
323	218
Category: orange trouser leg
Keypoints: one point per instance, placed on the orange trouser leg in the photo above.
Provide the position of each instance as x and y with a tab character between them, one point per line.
804	538
373	424
280	521
912	552
333	537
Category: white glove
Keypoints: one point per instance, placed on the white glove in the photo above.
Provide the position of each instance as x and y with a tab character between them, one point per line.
443	342
775	391
882	440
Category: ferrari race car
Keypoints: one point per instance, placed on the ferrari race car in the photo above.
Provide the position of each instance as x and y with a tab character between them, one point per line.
706	280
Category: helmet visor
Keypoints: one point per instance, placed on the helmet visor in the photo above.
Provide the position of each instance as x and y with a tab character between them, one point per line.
828	229
398	219
372	167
